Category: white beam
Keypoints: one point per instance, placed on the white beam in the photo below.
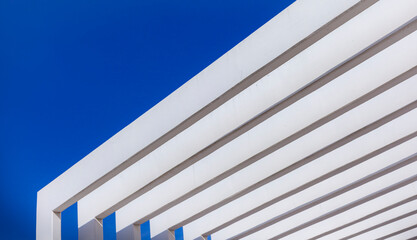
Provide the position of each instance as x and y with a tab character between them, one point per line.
342	165
354	84
356	149
344	155
363	216
388	229
407	211
332	39
312	103
260	137
314	213
182	108
409	233
152	167
329	205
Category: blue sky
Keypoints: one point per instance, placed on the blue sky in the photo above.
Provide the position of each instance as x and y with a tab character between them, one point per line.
75	72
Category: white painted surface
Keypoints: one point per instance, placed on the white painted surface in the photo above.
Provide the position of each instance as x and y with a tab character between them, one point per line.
313	107
361	146
390	228
316	60
351	83
363	210
409	235
265	44
229	116
341	180
334	203
357	148
248	56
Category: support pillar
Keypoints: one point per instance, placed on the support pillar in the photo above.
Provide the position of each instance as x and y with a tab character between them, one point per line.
166	235
56	222
131	232
201	238
93	230
48	222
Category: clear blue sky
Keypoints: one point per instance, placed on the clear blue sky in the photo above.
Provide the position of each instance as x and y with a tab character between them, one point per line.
75	72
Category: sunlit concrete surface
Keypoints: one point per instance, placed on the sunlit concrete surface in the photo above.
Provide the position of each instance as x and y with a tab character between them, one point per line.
304	130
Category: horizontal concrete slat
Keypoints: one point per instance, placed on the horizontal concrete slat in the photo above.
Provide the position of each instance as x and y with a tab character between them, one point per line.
167	160
115	155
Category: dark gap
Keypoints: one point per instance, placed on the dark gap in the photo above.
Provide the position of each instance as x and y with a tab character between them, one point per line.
69	223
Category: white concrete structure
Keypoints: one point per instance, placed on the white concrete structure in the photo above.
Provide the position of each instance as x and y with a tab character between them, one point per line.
305	130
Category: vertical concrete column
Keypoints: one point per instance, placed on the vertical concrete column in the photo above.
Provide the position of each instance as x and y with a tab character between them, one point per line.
166	235
48	222
93	230
131	232
56	223
201	238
